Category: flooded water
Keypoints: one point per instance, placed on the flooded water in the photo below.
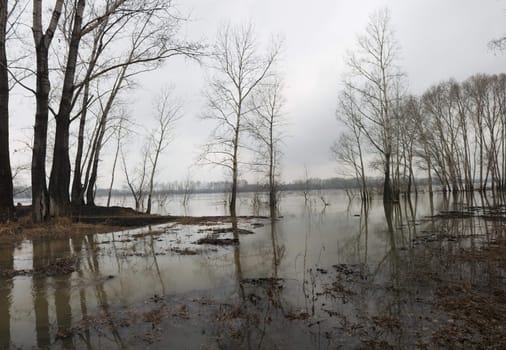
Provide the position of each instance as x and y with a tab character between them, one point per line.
319	276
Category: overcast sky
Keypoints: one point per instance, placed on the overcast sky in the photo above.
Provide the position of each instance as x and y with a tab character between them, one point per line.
440	39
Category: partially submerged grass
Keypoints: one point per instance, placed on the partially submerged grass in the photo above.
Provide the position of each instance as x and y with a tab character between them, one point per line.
24	228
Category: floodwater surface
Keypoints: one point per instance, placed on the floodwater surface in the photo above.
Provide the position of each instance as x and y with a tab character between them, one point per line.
327	272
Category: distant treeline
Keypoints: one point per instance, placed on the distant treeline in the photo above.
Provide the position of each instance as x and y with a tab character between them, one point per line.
313	184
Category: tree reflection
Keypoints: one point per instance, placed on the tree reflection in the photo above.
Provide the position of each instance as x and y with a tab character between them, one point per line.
6	285
41	258
100	293
46	255
61	250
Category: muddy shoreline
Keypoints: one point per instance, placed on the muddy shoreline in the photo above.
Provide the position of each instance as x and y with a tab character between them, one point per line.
96	219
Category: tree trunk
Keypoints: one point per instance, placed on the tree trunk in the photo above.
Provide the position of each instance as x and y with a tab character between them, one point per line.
77	186
90	158
114	168
6	190
90	187
77	193
387	185
59	182
233	197
95	158
148	207
40	198
59	200
429	173
272	183
153	171
151	182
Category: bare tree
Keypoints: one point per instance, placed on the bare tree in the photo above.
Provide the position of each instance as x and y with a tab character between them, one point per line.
375	79
148	30
349	146
137	180
98	45
461	128
59	200
187	188
6	187
60	174
157	23
42	40
238	69
9	20
120	133
168	111
105	109
141	179
266	129
411	137
424	152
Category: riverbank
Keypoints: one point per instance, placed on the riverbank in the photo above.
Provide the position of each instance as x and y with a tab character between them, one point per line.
87	220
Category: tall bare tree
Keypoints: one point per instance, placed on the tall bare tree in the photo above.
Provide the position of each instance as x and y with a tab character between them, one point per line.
461	130
266	127
349	147
120	131
137	179
168	111
148	31
59	200
60	171
375	79
99	42
6	188
238	70
99	136
42	40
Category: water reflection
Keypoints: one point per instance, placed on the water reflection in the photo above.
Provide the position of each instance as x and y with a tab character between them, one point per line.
6	284
41	257
313	277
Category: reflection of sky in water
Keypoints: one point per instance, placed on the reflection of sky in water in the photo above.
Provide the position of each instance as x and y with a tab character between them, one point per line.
121	269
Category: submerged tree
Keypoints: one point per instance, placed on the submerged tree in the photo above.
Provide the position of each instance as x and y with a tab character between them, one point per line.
266	129
348	148
374	81
238	71
464	129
